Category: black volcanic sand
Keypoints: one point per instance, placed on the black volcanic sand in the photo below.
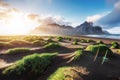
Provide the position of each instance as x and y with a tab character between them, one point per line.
110	70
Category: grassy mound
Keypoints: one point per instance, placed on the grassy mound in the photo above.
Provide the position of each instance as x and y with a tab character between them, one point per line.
19	42
5	45
86	41
99	42
50	39
89	40
118	51
32	38
68	38
100	48
68	73
59	38
17	50
58	75
78	54
115	45
38	43
33	64
52	46
75	41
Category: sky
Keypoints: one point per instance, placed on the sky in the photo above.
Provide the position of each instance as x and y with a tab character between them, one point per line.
105	13
74	11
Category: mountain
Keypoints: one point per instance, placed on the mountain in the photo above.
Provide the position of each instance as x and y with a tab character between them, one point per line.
88	28
53	29
56	29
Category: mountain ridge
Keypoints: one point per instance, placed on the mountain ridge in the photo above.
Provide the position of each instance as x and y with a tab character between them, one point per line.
54	28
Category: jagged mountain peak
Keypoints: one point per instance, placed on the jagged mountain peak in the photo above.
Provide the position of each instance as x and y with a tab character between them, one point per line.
85	28
87	24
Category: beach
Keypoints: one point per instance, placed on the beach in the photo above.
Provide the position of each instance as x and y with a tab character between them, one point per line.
71	52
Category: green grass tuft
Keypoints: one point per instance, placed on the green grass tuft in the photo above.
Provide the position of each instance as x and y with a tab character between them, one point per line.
19	43
78	54
75	42
52	46
38	43
17	50
118	51
115	45
5	45
58	75
103	48
50	39
34	64
32	38
86	41
89	40
59	38
68	73
99	42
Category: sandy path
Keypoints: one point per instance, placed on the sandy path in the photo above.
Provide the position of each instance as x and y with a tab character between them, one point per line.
4	64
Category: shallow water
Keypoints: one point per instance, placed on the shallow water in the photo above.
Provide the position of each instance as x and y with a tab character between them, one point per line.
111	36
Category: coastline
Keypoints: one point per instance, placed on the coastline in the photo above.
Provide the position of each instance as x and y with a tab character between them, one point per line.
106	40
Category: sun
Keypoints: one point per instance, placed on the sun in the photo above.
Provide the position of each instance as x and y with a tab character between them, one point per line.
18	24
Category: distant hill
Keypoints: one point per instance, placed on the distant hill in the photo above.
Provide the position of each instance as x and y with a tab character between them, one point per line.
83	29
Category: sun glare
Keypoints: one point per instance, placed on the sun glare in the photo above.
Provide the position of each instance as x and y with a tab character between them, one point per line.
18	24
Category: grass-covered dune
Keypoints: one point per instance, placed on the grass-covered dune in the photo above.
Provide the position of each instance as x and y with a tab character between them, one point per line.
17	50
19	42
30	65
5	45
52	46
77	58
68	73
115	45
99	49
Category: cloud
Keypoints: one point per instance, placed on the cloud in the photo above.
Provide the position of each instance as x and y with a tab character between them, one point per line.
54	20
109	20
14	19
48	19
94	18
6	10
117	5
33	16
112	19
3	4
112	2
114	30
3	15
6	13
